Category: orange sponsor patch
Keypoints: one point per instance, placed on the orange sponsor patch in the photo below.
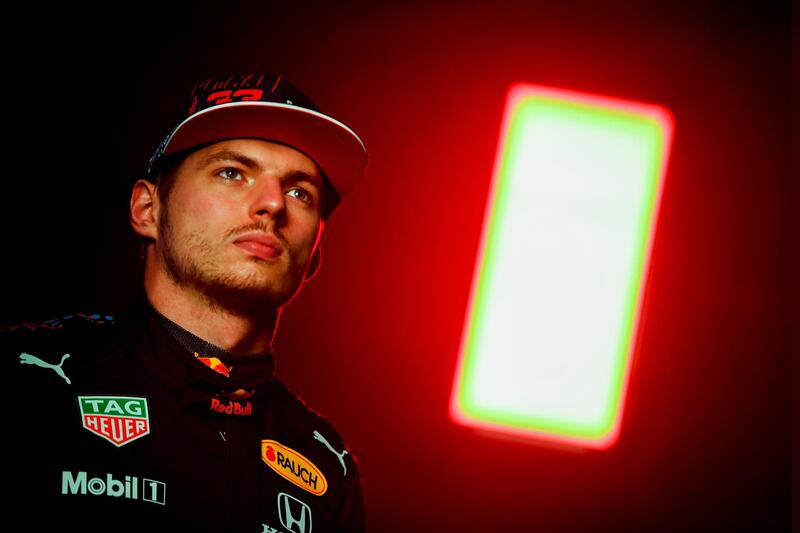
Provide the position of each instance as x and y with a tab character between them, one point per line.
293	466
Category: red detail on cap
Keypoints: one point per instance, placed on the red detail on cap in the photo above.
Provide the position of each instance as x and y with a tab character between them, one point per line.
270	454
223	97
220	97
246	79
248	94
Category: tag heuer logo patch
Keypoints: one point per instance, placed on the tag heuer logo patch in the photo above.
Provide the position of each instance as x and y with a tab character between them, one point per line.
118	419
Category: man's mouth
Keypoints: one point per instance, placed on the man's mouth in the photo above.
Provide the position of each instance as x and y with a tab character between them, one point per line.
260	244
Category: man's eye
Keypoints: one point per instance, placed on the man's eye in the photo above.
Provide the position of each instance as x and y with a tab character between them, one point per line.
229	173
304	196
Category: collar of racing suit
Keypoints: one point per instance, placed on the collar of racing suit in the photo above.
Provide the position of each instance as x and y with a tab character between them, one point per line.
171	363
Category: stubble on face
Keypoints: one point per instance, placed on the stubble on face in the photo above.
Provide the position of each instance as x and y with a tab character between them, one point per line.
195	268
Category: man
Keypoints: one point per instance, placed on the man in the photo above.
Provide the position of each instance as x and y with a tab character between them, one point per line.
169	414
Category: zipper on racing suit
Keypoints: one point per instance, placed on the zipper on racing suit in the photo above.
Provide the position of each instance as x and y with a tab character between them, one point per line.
226	492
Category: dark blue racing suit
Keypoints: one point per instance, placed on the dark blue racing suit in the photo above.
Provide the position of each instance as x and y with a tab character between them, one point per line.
113	425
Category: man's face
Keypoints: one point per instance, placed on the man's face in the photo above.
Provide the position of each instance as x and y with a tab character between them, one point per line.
234	189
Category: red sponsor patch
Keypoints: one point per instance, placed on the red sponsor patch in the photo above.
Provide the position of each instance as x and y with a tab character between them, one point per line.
232	407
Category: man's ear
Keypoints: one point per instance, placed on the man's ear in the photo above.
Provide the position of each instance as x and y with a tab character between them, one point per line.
143	214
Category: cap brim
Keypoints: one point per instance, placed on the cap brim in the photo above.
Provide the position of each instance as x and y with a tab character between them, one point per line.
336	148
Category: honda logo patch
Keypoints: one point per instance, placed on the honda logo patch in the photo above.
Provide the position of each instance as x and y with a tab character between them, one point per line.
294	514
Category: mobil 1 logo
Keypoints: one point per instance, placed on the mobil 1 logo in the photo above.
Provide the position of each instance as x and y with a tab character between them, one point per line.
129	487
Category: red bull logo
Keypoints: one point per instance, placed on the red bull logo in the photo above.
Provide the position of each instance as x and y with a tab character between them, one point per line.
293	466
214	364
232	408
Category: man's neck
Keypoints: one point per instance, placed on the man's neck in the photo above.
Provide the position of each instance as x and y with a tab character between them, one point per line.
235	331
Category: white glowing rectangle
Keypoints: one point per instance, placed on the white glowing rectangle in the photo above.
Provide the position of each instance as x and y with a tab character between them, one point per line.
548	338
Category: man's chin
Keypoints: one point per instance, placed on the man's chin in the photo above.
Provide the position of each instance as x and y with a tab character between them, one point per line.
244	290
247	299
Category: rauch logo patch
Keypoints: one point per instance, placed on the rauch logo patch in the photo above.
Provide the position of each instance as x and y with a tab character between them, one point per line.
118	419
293	466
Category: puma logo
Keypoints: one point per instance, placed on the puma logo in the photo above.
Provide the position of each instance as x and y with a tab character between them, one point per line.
322	439
28	359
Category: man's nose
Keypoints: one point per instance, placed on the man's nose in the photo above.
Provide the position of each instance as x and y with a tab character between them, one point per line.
267	198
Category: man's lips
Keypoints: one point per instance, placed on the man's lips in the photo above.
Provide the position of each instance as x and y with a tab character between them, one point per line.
260	244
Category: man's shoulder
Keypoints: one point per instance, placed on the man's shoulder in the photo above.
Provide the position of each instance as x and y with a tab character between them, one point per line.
297	409
298	418
39	341
51	326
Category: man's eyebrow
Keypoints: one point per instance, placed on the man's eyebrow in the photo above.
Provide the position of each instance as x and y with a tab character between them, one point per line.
231	155
299	175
